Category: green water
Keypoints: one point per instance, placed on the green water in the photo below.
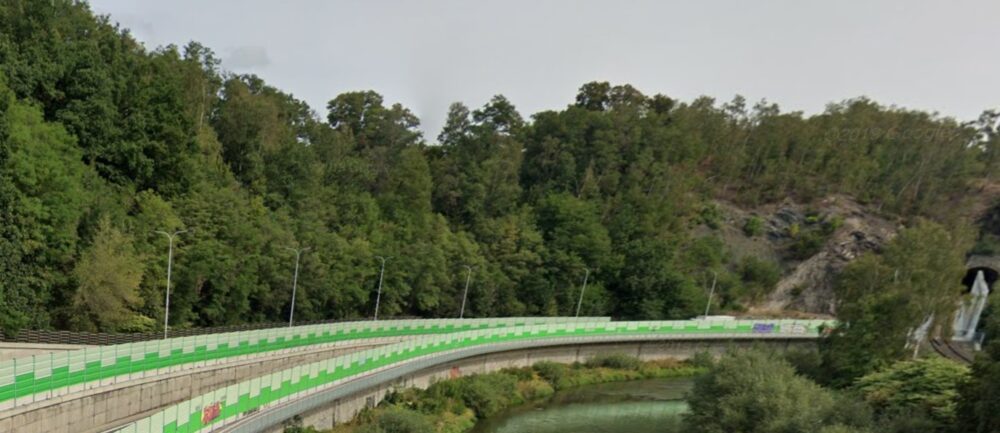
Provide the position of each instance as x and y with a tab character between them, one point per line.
648	406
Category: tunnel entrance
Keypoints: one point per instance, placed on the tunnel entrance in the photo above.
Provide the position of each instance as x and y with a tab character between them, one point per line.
970	277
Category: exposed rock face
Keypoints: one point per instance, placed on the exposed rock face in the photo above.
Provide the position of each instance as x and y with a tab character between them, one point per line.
807	284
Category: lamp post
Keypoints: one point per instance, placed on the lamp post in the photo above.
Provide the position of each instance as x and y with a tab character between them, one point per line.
381	273
295	281
715	276
170	260
468	278
582	289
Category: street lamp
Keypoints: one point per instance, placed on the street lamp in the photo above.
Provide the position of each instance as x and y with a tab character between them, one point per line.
468	278
711	293
170	260
381	272
582	289
295	280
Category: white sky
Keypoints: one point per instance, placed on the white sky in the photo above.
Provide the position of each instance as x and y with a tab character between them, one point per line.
931	55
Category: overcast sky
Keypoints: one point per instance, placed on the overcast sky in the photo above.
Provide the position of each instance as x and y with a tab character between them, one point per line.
933	55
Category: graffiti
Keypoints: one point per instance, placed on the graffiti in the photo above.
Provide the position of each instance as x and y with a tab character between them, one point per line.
455	373
763	328
795	329
211	412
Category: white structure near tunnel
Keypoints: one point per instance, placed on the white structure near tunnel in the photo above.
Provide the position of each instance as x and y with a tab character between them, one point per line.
970	311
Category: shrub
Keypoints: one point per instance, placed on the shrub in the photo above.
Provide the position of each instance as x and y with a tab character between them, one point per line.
550	371
614	360
702	359
929	386
711	216
489	393
753	226
398	420
534	389
519	373
807	244
757	392
794	230
831	224
758	276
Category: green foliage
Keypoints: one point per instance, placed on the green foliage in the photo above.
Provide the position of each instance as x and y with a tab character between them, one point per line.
979	397
552	372
297	429
806	244
614	360
758	276
757	392
108	274
882	297
454	405
92	124
711	216
927	386
490	393
807	363
398	421
753	226
703	359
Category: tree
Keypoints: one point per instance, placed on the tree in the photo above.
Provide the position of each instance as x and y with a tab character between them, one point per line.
979	396
882	298
928	387
108	275
42	190
757	392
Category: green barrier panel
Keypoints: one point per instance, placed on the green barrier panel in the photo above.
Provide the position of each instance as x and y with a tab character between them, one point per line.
229	403
42	377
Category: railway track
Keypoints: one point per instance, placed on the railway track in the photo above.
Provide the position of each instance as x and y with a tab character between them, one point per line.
947	350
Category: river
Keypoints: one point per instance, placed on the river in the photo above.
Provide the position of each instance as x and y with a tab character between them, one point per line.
645	406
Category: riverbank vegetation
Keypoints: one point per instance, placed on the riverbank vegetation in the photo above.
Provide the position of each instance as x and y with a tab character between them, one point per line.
454	406
762	392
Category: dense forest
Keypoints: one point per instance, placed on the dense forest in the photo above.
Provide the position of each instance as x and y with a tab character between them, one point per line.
104	142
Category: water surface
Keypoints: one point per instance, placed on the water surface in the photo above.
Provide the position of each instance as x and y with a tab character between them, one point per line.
646	406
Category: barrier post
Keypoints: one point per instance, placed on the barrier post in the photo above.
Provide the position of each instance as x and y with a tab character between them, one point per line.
33	378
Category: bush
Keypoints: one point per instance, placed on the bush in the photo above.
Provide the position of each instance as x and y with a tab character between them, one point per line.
618	361
757	392
550	371
807	244
758	276
488	394
754	226
925	386
831	224
711	216
398	420
986	245
807	363
519	373
703	359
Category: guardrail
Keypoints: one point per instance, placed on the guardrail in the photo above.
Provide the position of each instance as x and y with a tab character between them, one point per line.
228	405
28	380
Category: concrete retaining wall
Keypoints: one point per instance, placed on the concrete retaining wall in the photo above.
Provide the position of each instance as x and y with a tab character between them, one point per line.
344	410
